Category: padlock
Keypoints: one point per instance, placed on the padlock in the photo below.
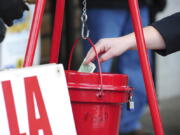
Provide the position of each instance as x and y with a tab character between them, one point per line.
131	103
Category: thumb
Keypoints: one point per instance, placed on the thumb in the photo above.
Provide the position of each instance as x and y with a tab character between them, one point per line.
91	53
90	56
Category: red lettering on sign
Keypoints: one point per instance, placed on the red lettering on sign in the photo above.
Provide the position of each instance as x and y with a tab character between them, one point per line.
10	108
33	90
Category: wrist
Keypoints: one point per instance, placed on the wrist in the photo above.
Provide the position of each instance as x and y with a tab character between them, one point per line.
131	41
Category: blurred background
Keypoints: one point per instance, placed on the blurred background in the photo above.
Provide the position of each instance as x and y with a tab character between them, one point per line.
167	76
168	83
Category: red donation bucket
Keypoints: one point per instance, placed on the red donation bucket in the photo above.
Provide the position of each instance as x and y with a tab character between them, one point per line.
96	111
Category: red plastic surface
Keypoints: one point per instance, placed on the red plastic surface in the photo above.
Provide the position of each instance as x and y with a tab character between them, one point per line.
94	114
92	80
96	98
96	118
57	30
35	28
97	58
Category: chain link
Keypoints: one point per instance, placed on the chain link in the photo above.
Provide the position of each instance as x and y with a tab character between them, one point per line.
84	14
84	7
84	17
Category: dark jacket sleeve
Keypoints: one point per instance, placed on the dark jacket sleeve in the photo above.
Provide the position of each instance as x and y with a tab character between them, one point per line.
169	28
2	30
12	9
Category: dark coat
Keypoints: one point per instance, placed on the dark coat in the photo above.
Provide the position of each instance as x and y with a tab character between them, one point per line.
11	9
169	28
2	30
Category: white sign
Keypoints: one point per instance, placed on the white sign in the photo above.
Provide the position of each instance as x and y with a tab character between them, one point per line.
35	101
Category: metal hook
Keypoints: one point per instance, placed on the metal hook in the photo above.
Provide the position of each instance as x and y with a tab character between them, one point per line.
84	30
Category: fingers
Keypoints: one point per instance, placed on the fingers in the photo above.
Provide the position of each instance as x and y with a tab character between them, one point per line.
111	47
91	54
101	47
106	56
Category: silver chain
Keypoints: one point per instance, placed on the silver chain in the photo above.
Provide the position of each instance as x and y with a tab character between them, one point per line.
84	7
84	17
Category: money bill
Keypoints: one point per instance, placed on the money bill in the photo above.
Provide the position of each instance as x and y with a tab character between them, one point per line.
87	68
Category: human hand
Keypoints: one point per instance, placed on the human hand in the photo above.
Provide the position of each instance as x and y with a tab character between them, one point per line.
12	9
110	47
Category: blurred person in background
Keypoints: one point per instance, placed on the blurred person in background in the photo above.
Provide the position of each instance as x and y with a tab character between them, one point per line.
10	10
2	30
162	36
111	18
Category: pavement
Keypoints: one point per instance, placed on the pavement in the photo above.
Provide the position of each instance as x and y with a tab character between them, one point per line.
170	114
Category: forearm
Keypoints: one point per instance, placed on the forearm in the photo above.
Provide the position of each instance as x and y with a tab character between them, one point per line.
163	36
111	47
153	39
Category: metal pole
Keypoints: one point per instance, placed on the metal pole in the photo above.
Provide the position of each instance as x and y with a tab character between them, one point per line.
35	28
150	90
56	38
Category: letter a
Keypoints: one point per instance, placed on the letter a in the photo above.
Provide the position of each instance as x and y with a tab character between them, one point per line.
33	90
